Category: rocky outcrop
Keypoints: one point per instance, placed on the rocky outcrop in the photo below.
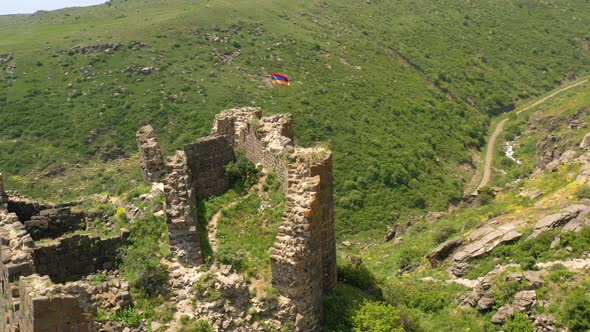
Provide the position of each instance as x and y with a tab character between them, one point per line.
109	47
443	251
481	297
523	302
150	155
579	222
483	240
557	219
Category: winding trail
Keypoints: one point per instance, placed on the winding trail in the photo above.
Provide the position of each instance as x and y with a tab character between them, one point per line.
500	126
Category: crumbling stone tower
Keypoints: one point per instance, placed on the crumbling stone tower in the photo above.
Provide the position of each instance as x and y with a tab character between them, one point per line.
303	260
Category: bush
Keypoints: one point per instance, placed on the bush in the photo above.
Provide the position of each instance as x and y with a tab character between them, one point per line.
129	316
242	173
141	263
356	275
519	323
192	325
575	310
377	317
583	192
558	272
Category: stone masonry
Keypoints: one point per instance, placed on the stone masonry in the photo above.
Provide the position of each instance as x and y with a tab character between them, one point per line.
207	157
180	211
303	260
152	163
30	300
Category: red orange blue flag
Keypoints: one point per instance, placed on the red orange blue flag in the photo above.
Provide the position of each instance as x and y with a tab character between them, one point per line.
279	79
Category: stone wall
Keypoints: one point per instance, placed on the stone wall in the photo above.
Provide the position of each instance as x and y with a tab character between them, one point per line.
25	208
54	222
48	307
71	258
150	155
180	211
266	141
303	260
207	157
17	260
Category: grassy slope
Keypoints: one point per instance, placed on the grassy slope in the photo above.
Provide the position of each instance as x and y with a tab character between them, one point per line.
398	122
383	260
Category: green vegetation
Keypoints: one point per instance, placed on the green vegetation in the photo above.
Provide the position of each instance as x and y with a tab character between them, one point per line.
396	138
242	173
583	192
575	310
377	317
519	323
247	229
141	259
193	325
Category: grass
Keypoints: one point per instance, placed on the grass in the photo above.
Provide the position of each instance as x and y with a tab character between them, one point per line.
396	138
247	230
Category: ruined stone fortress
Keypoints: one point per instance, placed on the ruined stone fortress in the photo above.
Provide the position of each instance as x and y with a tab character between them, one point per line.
43	263
46	256
303	260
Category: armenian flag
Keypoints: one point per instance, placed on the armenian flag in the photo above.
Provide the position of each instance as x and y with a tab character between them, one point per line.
279	79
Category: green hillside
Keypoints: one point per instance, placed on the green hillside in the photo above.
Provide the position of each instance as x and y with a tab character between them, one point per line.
401	90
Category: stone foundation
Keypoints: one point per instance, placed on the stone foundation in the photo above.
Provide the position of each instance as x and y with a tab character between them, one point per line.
74	257
30	301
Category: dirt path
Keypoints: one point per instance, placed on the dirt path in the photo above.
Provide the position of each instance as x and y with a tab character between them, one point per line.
487	170
500	126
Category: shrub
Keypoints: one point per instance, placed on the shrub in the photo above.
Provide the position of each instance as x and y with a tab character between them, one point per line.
242	173
519	323
191	325
377	317
575	310
129	316
583	192
444	233
98	278
432	301
141	263
558	272
506	290
356	275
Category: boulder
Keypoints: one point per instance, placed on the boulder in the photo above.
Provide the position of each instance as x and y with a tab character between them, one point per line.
443	251
502	314
524	301
557	219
